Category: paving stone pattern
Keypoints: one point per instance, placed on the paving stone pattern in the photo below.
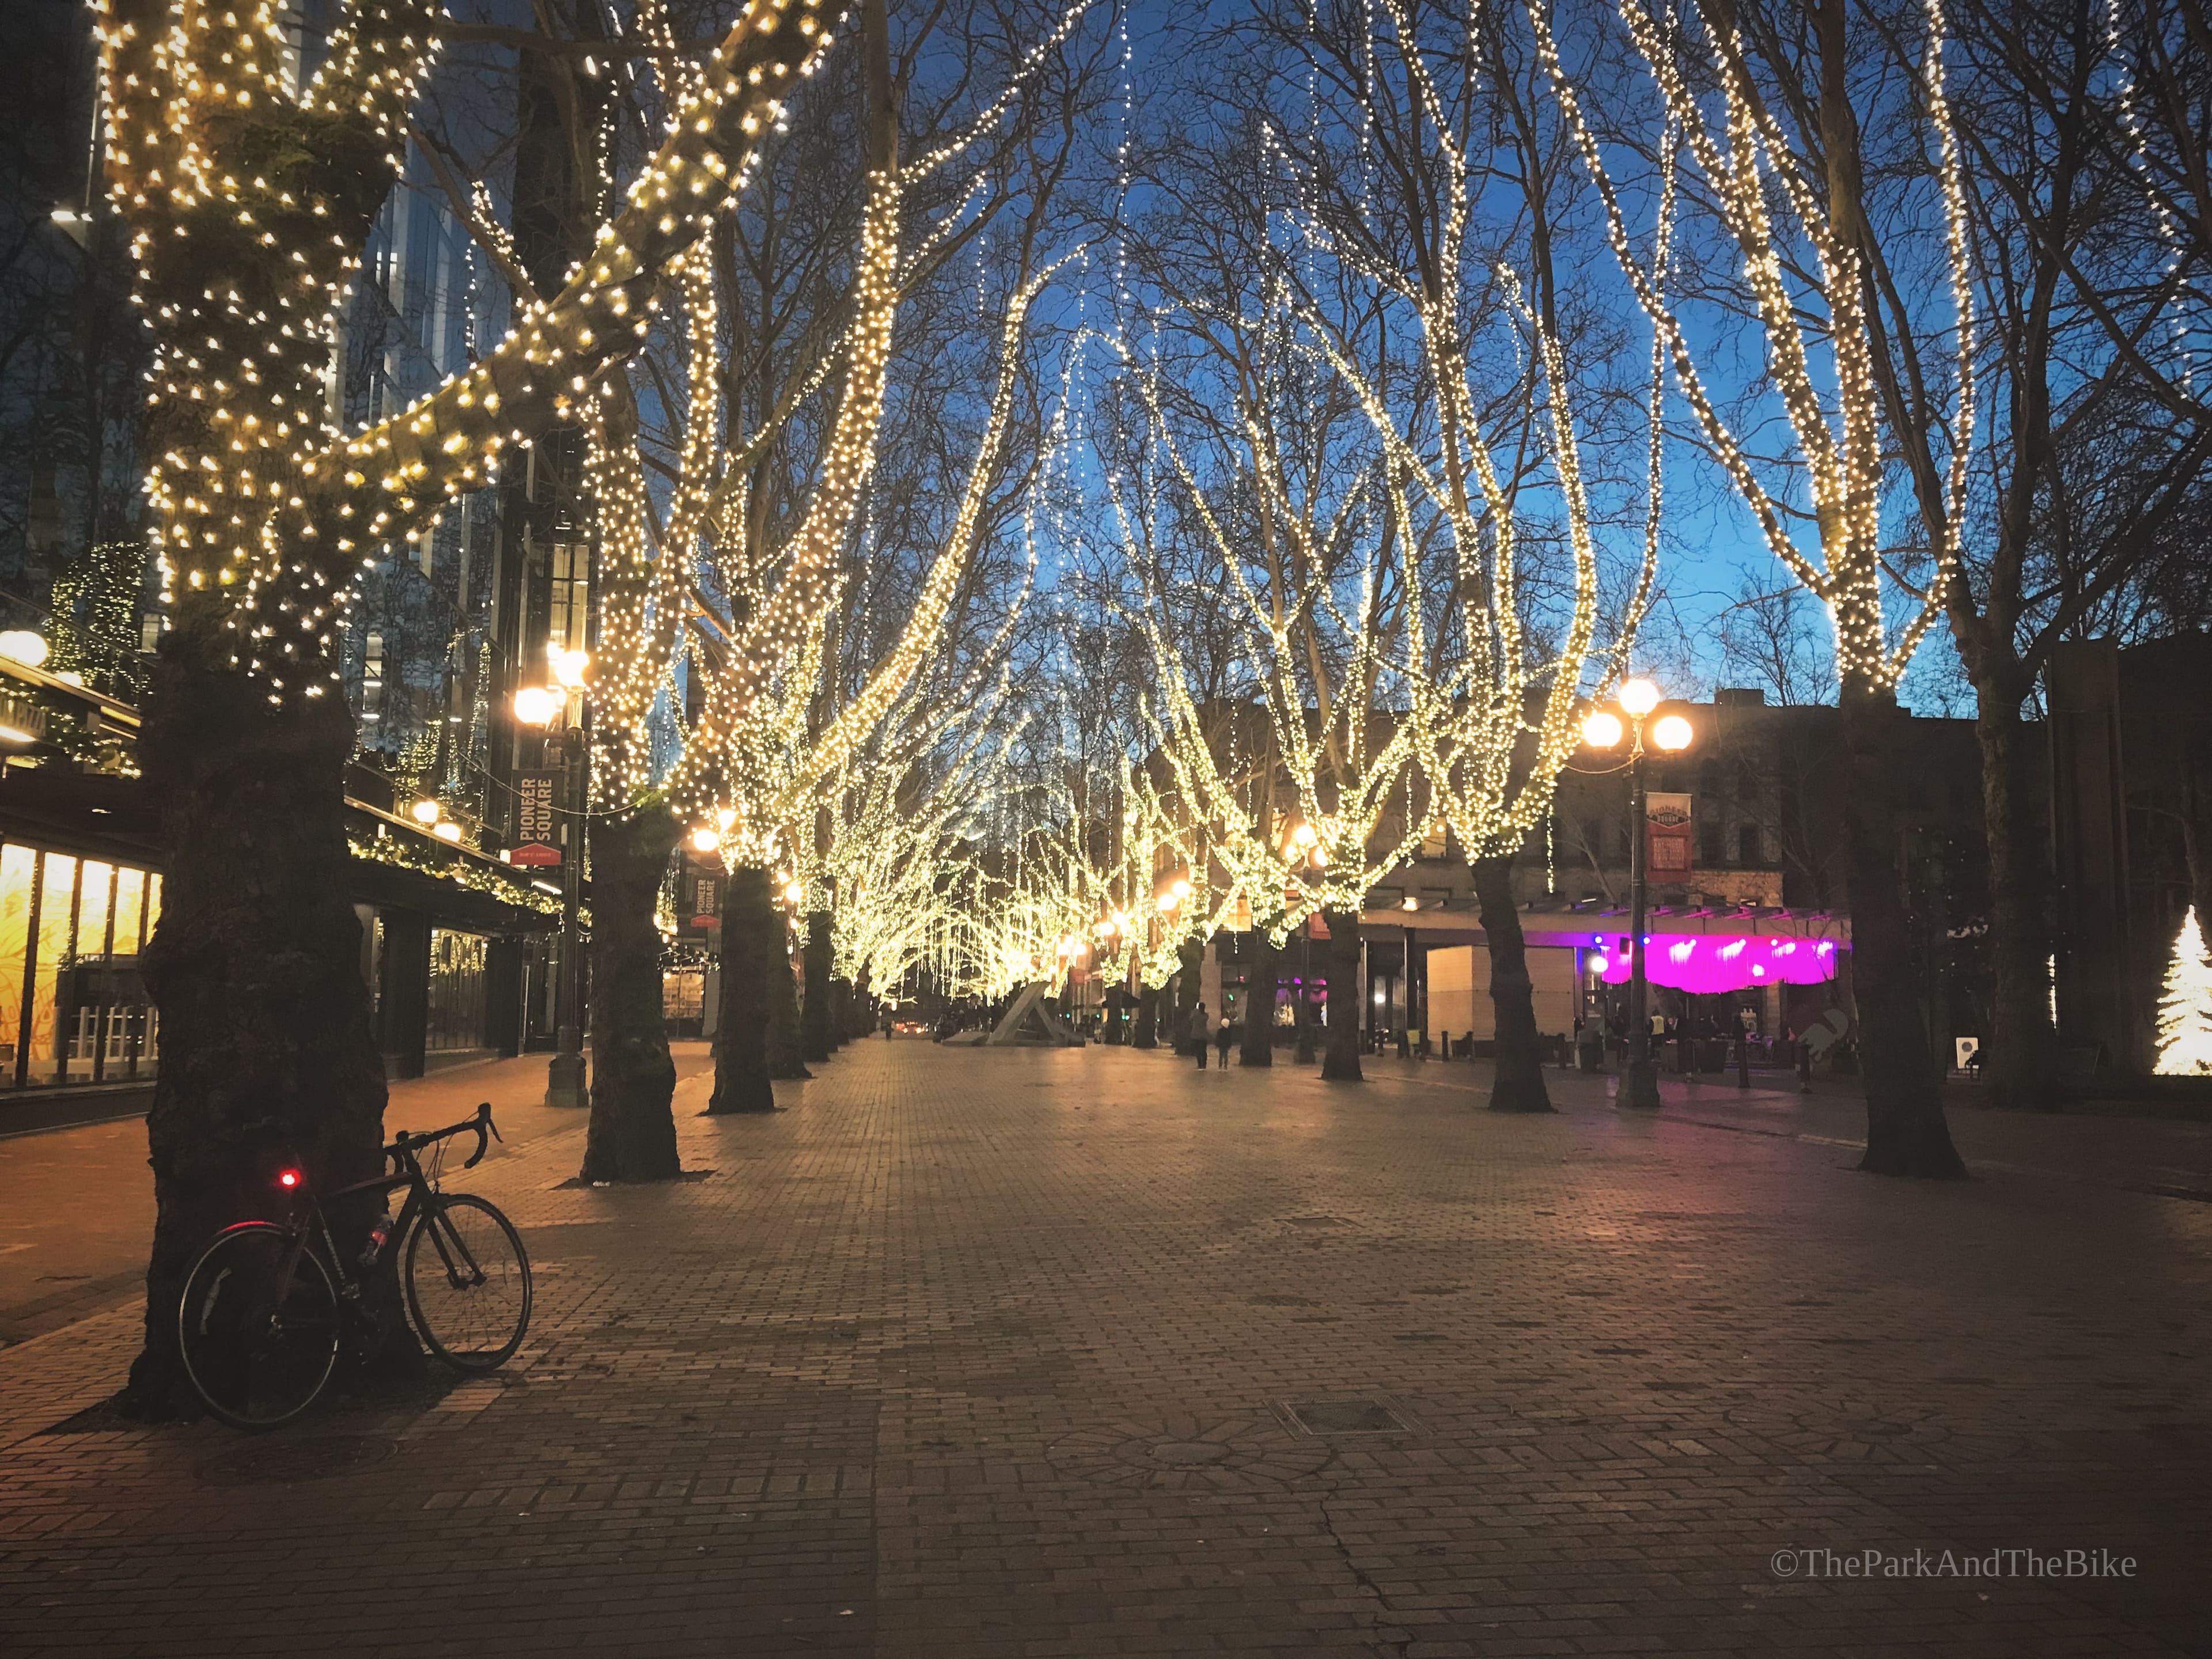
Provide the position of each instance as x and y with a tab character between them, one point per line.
1078	1353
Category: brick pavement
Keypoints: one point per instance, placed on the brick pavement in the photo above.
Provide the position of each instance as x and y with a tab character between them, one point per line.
992	1354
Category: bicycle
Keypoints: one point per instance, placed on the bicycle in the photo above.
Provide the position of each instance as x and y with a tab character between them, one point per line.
268	1304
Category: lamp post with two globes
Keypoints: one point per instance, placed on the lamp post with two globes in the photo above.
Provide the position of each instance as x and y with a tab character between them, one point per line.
1170	900
1669	733
1304	851
546	707
1112	931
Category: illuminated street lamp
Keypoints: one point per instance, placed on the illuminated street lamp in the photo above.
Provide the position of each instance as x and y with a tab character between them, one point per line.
546	707
1670	733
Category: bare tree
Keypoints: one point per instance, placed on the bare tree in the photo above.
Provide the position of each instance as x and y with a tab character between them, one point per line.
1771	110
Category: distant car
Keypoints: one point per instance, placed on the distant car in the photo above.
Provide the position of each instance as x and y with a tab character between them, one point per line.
909	1028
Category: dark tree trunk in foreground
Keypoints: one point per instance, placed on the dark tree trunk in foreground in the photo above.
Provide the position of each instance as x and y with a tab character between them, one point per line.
1261	972
1190	959
786	1057
268	1055
752	930
1340	1061
1144	1033
814	1012
1905	1132
1302	1008
2022	1067
632	1131
1517	1082
840	1013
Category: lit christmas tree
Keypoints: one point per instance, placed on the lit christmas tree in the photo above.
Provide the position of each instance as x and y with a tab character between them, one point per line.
2184	1009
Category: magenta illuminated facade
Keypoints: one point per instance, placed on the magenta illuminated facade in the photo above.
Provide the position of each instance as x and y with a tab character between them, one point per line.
1707	966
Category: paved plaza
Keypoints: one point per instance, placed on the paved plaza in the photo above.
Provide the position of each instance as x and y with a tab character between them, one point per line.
1084	1353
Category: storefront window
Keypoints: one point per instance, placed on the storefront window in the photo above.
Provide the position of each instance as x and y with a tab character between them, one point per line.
130	908
18	870
456	1019
94	894
72	1007
56	925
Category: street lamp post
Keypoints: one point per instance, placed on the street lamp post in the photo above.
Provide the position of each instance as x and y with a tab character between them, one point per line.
567	1081
1303	850
1604	730
1111	930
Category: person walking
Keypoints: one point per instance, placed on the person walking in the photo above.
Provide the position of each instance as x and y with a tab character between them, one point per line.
1199	1028
1223	1035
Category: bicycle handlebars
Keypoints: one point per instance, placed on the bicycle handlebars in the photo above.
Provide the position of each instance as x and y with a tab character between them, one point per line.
486	1132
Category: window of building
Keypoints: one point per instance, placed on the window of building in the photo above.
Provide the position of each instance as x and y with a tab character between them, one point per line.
72	1007
1710	847
372	678
570	567
455	1019
1594	839
684	994
1749	849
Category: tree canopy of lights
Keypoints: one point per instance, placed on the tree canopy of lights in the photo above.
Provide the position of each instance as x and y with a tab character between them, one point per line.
1797	219
249	201
781	733
1339	413
2185	1005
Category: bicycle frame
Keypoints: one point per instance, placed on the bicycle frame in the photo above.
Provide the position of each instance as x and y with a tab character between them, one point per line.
419	1207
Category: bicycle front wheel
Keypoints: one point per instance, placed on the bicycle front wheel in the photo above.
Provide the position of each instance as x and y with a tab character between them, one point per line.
257	1327
468	1283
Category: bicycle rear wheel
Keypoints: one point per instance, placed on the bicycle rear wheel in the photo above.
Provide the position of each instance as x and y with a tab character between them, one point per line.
468	1283
258	1337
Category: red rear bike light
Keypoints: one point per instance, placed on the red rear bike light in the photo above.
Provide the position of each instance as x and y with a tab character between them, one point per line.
288	1178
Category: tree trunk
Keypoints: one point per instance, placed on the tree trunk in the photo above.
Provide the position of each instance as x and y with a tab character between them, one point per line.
1144	1032
1905	1132
840	1013
1190	963
861	1019
1301	1007
269	1053
1340	1061
752	930
786	1057
1517	1079
633	1130
2021	1068
1260	978
814	1012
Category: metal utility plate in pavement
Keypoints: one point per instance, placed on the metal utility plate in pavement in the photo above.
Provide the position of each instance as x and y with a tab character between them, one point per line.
1374	1415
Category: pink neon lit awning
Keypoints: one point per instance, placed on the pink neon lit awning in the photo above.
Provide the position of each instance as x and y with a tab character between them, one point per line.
1703	963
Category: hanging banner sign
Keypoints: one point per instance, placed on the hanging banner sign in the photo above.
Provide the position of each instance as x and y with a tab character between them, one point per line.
1315	926
1666	829
1240	916
706	899
537	793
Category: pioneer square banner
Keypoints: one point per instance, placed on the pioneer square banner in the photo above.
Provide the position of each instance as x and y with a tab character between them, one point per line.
1667	824
537	838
